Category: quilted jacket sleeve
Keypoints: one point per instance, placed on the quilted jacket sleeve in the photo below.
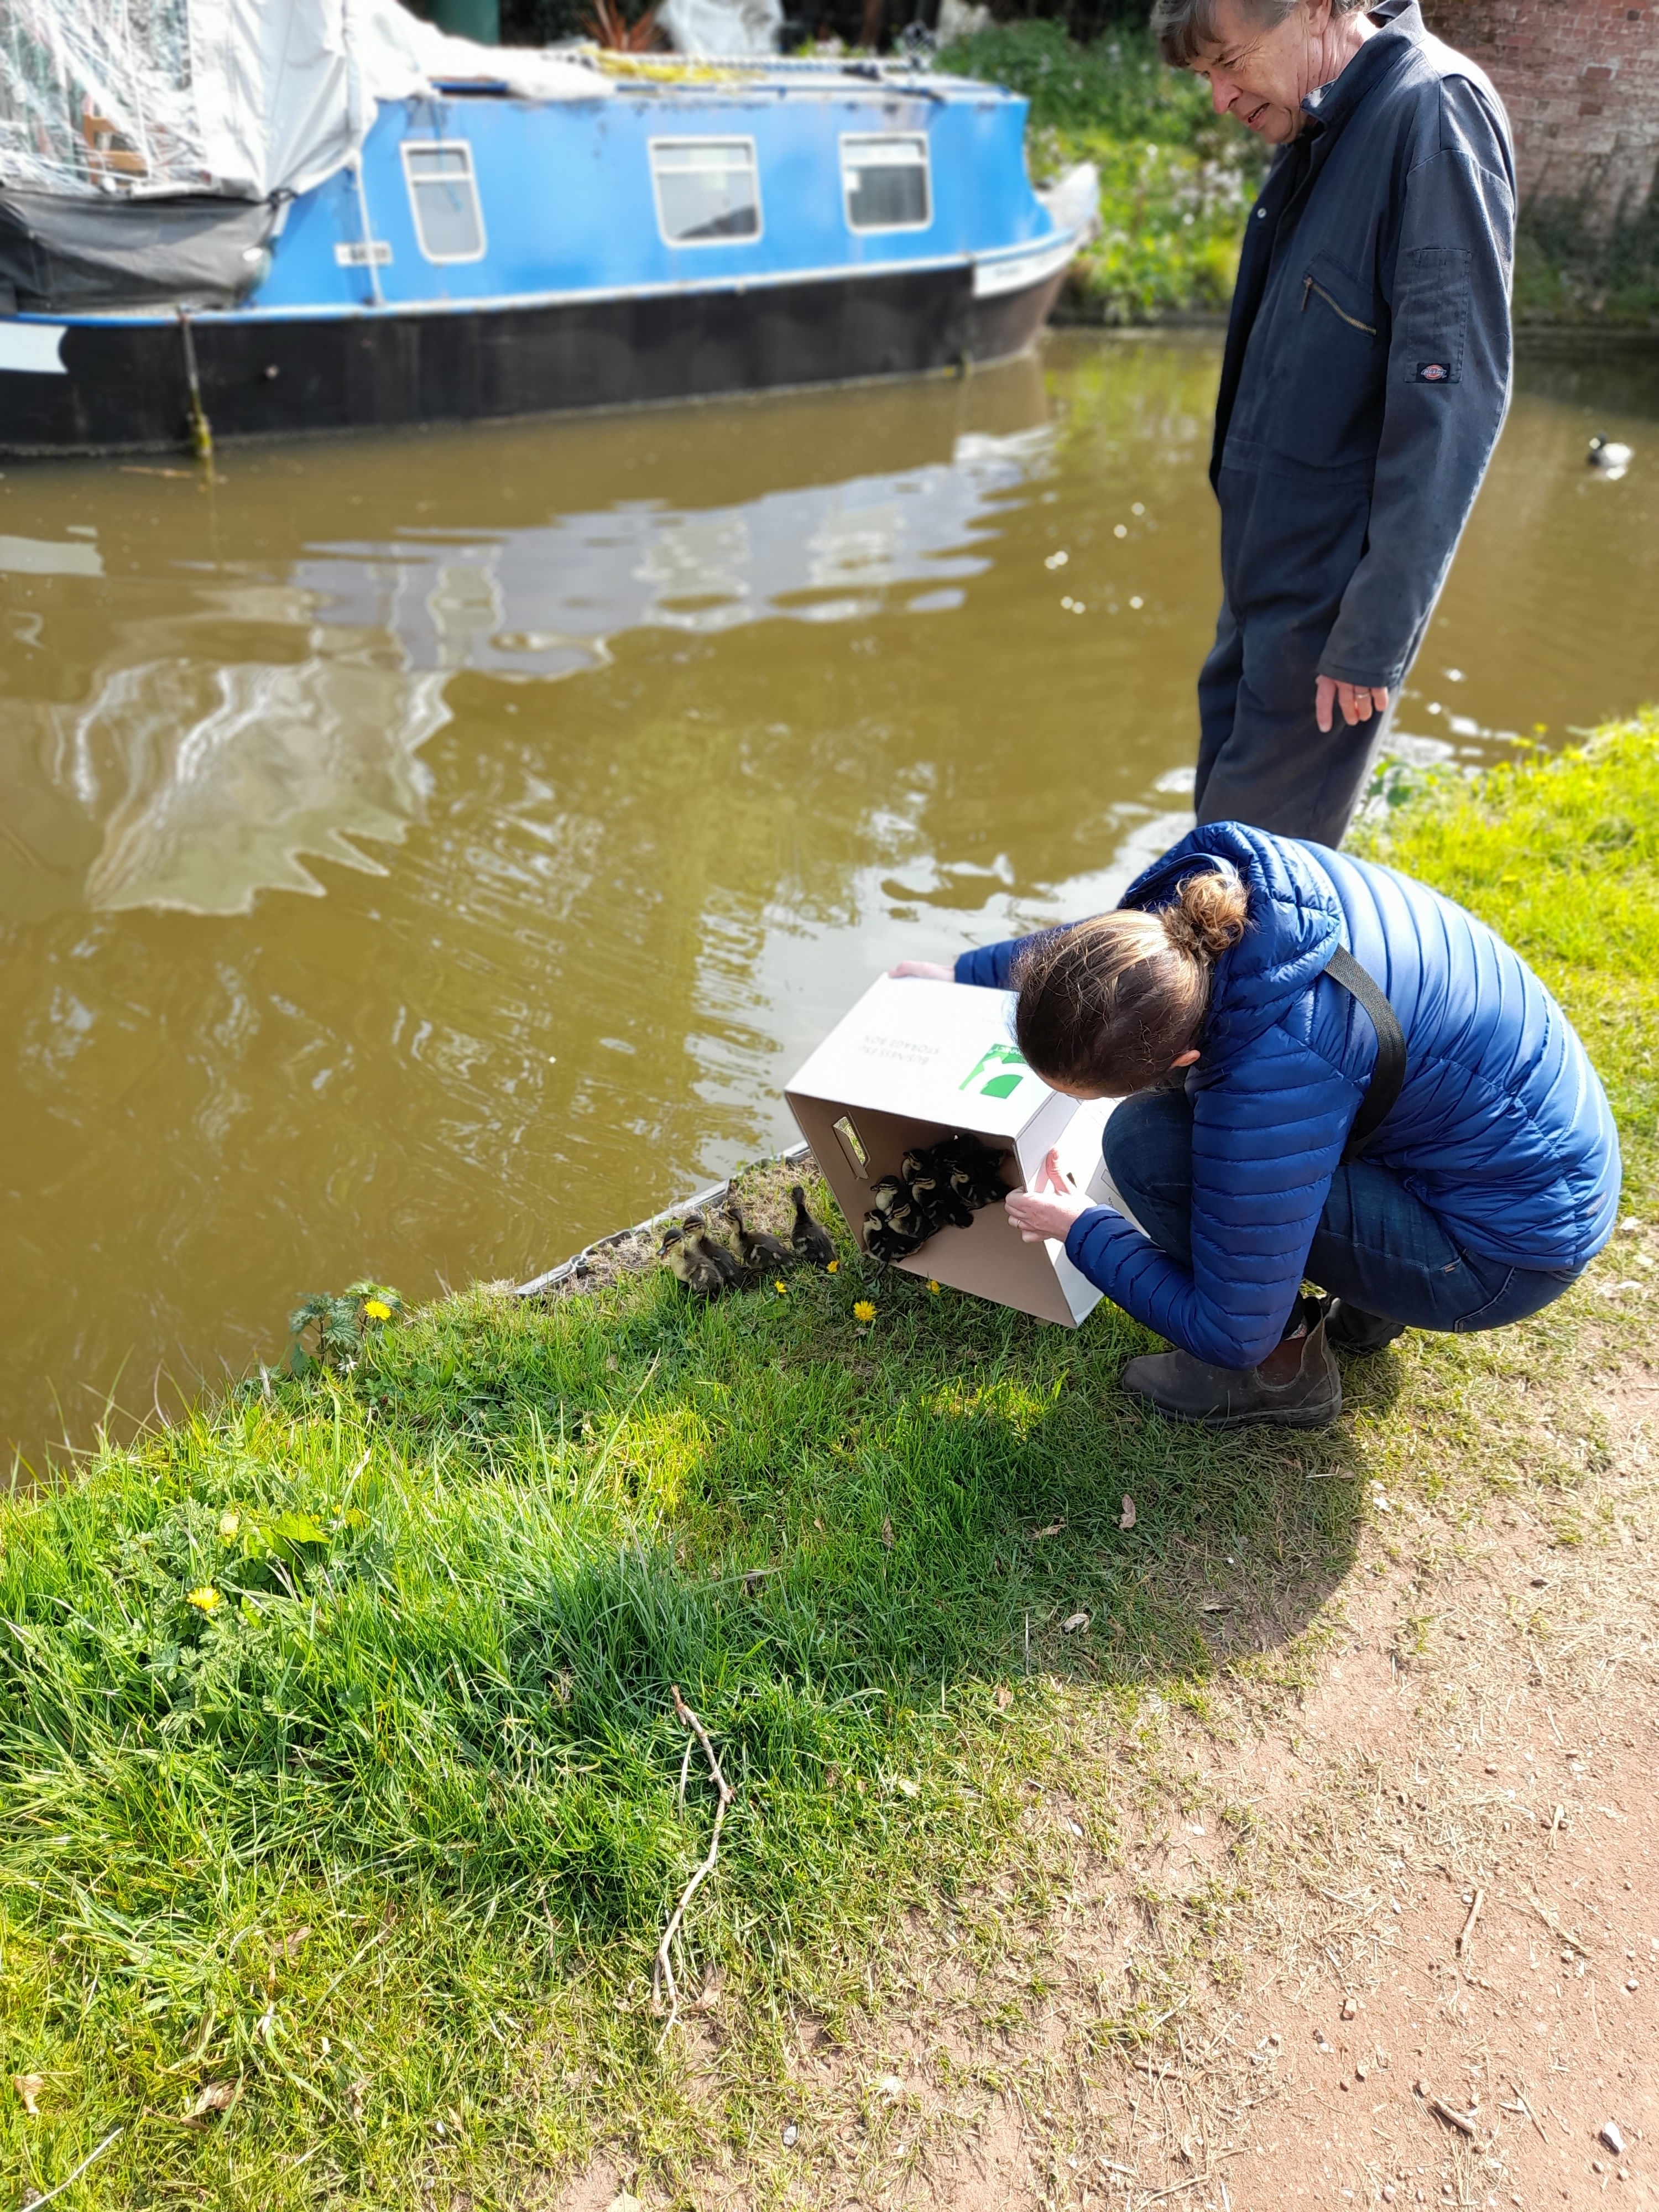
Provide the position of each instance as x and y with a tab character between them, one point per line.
1267	1139
989	965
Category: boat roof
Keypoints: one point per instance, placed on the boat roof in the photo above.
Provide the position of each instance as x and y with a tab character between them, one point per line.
814	74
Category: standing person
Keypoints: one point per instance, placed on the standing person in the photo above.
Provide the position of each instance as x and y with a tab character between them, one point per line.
1365	379
1328	1071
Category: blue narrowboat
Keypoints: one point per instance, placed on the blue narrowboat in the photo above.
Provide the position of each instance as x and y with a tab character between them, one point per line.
651	230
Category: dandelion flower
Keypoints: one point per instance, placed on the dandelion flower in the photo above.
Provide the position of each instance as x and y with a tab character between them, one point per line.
932	1287
834	1267
229	1522
205	1599
782	1289
863	1310
377	1310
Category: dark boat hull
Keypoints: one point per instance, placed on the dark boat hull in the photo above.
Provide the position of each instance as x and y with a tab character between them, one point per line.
125	387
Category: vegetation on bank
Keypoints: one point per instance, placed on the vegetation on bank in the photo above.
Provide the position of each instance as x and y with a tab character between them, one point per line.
1572	273
1175	182
341	1798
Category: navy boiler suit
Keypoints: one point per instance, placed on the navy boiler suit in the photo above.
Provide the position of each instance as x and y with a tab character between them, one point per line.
1365	380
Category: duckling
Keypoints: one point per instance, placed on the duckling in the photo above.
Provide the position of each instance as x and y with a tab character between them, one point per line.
885	1193
938	1206
761	1250
688	1266
1608	455
884	1243
694	1231
811	1242
891	1200
972	1170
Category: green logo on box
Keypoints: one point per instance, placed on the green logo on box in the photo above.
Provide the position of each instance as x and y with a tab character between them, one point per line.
1007	1061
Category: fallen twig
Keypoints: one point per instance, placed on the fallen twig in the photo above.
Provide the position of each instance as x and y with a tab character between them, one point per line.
1452	2117
1561	1934
662	1974
33	2203
1468	1925
1526	2111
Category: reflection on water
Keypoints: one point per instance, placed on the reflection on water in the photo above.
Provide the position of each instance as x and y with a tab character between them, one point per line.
613	756
210	780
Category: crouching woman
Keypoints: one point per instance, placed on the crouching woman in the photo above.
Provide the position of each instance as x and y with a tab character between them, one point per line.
1326	1071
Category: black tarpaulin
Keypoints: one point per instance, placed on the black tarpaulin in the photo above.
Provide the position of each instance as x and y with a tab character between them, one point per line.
63	256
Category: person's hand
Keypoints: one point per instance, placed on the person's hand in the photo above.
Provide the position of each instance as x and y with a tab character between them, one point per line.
929	970
1036	1214
1358	700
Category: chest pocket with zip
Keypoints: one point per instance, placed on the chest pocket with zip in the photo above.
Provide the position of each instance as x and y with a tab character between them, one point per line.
1320	375
1313	289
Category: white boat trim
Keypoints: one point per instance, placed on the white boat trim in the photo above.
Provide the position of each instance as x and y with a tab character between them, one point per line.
1015	272
31	349
1009	269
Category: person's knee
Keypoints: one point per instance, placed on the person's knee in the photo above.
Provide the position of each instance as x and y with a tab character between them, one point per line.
1148	1143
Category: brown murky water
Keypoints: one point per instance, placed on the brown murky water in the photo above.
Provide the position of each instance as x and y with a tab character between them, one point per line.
420	856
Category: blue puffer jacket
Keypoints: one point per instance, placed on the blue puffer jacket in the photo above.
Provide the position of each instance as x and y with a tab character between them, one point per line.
1503	1129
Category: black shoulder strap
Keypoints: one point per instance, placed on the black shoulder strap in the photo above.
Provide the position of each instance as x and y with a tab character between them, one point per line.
1388	1074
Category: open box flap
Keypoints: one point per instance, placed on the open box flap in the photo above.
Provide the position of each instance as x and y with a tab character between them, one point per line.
943	1051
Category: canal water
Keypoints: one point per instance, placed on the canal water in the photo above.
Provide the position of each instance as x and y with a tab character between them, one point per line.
420	856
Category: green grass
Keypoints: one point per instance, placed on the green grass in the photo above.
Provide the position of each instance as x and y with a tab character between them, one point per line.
1176	182
384	1839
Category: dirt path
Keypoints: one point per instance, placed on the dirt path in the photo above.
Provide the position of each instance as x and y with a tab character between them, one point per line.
1485	1730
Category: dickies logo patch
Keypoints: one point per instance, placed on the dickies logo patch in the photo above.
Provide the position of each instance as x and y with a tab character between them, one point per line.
1432	372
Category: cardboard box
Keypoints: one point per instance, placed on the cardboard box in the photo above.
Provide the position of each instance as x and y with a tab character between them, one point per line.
914	1060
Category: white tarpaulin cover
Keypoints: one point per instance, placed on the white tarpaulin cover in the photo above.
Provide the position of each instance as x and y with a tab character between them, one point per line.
722	27
239	97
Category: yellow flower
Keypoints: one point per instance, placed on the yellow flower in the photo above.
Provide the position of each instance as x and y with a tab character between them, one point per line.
932	1286
782	1289
206	1600
863	1310
376	1309
229	1522
834	1267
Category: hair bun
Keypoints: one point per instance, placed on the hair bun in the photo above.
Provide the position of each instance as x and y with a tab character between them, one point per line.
1207	915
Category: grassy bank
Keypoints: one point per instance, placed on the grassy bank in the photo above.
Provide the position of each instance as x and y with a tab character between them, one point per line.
340	1777
1176	184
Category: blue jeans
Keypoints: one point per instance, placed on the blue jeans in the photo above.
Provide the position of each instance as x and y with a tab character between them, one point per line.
1378	1247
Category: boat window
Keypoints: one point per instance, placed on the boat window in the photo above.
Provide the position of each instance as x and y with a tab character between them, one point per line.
444	194
708	190
885	180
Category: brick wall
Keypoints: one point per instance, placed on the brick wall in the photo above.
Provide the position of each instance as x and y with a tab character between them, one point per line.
1581	80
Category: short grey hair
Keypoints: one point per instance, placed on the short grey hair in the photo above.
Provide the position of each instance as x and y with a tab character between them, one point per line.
1182	27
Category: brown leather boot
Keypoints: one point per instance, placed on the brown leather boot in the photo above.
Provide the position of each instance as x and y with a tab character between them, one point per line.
1296	1386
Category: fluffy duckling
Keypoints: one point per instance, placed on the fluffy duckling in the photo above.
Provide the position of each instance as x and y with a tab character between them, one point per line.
890	1199
761	1250
810	1240
884	1241
938	1206
687	1265
887	1194
972	1171
694	1231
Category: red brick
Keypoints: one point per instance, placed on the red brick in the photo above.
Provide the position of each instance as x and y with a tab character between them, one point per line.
1539	54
